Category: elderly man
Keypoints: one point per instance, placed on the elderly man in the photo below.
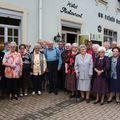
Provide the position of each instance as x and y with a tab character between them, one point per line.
114	44
108	52
54	64
89	47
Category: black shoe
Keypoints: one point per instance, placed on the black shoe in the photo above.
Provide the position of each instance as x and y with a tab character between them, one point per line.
118	102
109	101
10	98
50	91
87	100
96	102
101	103
16	98
55	92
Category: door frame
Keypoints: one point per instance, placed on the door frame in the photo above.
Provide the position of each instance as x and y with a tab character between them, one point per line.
69	32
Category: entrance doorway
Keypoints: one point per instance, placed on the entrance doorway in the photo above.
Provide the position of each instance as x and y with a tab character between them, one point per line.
70	32
71	38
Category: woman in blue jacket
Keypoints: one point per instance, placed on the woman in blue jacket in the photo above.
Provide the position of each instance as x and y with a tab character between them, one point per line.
115	76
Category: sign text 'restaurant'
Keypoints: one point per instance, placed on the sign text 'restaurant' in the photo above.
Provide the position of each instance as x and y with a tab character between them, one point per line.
71	12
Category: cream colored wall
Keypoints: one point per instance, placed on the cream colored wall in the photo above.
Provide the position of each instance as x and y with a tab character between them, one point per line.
24	18
30	20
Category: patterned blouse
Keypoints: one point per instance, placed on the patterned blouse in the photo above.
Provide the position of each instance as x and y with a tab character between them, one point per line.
13	59
70	60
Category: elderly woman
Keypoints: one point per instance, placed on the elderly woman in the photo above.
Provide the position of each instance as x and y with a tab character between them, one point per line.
95	48
13	70
115	75
101	68
39	66
95	55
63	56
84	72
25	79
70	82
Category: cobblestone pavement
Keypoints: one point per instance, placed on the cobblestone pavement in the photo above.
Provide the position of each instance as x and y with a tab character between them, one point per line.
56	107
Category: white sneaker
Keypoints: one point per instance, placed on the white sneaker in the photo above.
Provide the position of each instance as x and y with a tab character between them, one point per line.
33	93
39	93
21	95
25	94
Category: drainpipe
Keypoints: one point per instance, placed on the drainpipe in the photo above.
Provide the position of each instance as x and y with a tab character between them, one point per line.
39	19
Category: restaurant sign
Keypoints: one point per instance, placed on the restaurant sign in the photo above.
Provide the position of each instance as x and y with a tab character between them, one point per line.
68	9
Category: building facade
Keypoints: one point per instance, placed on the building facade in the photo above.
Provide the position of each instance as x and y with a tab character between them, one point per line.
98	20
27	21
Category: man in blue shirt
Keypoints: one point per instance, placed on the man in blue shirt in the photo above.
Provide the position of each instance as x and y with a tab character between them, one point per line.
54	62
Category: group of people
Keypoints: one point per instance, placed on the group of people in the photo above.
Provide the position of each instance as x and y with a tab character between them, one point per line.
93	72
89	71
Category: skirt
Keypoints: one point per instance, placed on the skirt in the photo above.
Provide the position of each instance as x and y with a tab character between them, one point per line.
84	85
70	83
25	81
115	85
100	85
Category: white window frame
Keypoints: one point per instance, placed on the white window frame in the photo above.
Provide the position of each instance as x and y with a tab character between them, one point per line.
6	32
112	37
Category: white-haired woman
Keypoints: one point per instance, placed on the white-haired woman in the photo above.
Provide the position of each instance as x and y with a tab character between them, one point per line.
70	82
63	56
95	48
101	68
39	66
95	55
84	72
13	70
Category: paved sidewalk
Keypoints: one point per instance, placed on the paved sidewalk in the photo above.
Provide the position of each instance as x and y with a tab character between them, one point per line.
52	107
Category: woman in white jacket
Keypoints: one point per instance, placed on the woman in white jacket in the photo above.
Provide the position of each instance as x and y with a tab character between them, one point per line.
84	72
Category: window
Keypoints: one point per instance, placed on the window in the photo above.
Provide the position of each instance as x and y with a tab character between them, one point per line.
2	38
13	34
9	31
110	35
9	34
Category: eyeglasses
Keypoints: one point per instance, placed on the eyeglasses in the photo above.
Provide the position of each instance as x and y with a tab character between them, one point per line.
37	48
12	46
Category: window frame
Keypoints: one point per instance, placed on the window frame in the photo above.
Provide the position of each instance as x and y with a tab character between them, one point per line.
6	36
108	36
